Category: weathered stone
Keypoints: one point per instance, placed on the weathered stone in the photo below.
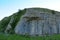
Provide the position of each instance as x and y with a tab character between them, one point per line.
35	22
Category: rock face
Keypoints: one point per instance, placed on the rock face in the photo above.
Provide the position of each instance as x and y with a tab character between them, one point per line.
39	22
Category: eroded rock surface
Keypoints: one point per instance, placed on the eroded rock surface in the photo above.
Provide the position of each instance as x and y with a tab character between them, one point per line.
39	22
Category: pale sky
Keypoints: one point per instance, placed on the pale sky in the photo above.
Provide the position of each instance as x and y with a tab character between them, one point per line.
8	7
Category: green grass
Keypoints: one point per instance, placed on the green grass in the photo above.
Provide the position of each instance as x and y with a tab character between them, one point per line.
21	37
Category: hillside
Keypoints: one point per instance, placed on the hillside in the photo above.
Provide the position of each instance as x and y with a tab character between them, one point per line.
5	21
9	23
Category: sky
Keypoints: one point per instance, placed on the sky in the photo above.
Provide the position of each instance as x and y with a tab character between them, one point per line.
8	7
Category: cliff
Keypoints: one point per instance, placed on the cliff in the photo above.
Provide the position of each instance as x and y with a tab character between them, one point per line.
33	21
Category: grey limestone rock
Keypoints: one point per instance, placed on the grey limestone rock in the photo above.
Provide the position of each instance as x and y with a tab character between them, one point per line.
39	22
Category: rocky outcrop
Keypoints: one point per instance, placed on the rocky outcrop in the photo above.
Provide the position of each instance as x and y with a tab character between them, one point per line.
9	27
39	22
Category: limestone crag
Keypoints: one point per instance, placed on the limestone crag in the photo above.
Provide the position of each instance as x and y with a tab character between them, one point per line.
39	22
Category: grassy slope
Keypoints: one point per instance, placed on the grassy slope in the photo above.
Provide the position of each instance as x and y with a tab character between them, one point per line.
19	37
